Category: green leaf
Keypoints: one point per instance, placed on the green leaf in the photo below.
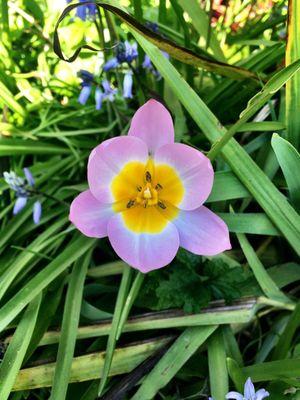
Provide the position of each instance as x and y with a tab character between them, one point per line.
254	104
178	52
254	223
41	280
259	185
293	86
273	370
266	283
69	328
17	348
289	161
218	376
178	354
227	187
236	374
90	366
10	147
8	98
112	339
285	340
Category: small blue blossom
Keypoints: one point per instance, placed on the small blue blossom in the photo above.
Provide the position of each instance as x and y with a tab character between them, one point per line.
125	52
85	11
86	86
249	393
99	95
22	189
127	85
84	94
109	92
147	64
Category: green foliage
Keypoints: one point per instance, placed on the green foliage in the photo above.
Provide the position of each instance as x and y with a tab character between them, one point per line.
191	284
70	311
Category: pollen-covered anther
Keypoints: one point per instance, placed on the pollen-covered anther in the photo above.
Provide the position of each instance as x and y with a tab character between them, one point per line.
147	193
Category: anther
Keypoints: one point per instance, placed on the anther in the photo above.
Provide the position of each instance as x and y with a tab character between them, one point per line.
148	176
139	188
161	205
130	203
145	203
158	186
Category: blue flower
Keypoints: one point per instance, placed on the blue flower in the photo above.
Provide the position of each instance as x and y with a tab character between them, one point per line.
147	64
85	11
109	92
127	85
22	188
99	95
249	393
125	52
86	86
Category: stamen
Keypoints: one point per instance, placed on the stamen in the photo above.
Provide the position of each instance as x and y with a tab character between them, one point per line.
148	176
130	203
161	205
147	193
145	203
158	186
139	188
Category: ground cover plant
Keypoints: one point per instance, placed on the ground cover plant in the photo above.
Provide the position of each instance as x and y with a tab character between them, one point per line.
116	281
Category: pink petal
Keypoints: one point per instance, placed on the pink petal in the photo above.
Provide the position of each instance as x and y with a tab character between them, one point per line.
194	169
106	161
89	215
202	232
153	124
143	251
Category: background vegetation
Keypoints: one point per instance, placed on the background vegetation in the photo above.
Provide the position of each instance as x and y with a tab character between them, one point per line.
200	326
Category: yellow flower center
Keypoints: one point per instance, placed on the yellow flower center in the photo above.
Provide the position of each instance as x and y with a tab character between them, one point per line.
147	195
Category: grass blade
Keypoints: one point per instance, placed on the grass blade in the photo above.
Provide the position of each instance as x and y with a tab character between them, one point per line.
266	283
16	351
218	376
90	366
289	161
69	329
112	339
28	292
178	354
293	86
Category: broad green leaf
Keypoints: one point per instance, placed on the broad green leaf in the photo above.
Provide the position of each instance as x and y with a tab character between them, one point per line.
259	185
263	126
218	376
178	354
236	374
289	161
227	187
41	280
90	366
273	370
178	52
293	86
69	329
254	223
17	348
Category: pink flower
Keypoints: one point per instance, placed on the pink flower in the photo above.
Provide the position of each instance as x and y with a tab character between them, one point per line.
146	194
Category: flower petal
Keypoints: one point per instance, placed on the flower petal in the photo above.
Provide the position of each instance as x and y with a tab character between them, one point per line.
143	251
194	169
37	212
249	390
111	64
90	216
261	394
127	86
234	396
107	160
19	204
153	124
29	176
202	232
84	94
